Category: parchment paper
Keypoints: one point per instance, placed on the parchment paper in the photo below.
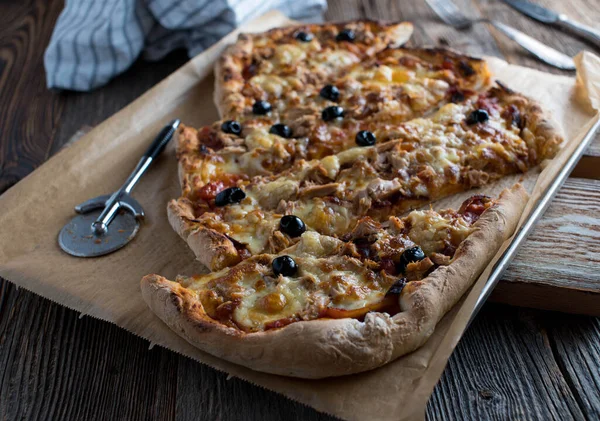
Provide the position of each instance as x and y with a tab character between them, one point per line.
33	211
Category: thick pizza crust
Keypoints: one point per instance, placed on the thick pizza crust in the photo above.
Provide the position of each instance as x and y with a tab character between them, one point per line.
333	347
213	249
542	137
228	69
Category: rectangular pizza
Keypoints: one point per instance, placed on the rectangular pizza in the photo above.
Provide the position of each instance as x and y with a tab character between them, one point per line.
307	201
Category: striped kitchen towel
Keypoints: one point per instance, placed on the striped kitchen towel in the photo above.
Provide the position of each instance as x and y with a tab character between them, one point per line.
95	40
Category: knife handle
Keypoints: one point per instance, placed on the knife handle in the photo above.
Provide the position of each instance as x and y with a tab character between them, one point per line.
585	31
542	51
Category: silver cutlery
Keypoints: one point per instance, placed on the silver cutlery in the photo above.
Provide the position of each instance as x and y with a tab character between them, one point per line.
544	15
450	14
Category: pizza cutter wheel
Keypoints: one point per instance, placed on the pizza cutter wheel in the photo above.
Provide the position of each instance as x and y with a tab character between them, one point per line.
107	223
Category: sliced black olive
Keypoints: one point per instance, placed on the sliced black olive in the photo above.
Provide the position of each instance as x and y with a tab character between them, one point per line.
346	35
304	36
414	254
292	225
478	116
331	113
281	130
397	287
465	68
229	196
284	265
261	107
232	127
365	138
457	97
330	92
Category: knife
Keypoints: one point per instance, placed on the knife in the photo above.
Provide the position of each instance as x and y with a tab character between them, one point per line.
549	16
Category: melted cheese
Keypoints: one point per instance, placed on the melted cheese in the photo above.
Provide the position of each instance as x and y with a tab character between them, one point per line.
325	218
326	279
286	298
273	85
430	230
249	225
334	60
288	55
264	298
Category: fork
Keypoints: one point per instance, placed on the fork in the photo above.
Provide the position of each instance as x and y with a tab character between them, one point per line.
450	14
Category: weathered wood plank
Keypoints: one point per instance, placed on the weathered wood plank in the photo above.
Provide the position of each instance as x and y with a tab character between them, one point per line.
557	267
205	394
26	140
54	365
594	149
516	377
576	346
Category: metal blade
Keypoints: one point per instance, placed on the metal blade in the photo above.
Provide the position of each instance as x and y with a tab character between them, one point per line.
533	10
77	238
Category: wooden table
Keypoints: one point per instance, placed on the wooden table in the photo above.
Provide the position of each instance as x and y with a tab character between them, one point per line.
512	363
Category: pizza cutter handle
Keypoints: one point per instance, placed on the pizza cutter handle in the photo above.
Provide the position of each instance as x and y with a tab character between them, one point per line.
157	146
100	226
164	136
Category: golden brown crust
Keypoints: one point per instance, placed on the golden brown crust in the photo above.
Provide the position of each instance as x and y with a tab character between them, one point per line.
332	347
213	249
542	137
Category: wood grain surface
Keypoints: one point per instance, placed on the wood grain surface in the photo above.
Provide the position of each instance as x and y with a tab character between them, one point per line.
558	268
512	363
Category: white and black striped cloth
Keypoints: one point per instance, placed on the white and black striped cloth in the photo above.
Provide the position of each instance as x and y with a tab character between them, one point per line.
95	40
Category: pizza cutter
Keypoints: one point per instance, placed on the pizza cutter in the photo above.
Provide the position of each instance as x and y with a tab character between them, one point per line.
108	222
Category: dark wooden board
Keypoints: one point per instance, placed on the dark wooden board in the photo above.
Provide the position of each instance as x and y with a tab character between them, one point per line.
54	365
577	351
516	379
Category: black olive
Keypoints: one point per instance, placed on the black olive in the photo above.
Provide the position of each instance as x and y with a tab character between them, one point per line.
397	287
229	196
281	130
465	68
365	138
346	35
304	36
292	225
517	120
457	97
333	112
284	265
232	127
478	116
414	254
261	107
330	92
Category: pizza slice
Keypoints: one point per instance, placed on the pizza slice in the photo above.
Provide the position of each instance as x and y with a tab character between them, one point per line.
327	307
230	216
392	86
230	149
274	67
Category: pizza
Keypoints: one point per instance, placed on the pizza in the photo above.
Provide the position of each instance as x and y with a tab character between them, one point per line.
283	65
328	307
308	200
458	147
